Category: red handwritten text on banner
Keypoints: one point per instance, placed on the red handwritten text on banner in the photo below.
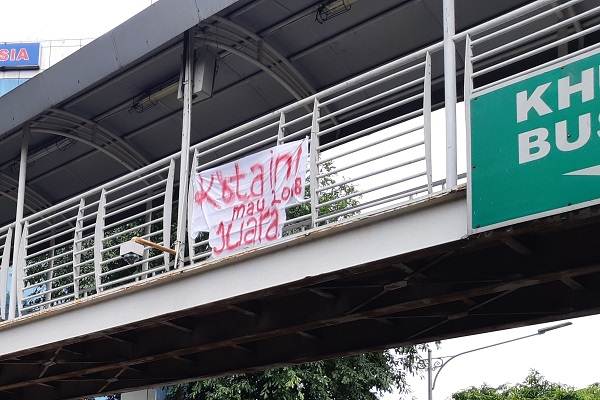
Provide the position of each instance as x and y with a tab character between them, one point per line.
242	203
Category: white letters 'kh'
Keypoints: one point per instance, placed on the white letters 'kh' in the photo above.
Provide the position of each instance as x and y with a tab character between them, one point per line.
535	101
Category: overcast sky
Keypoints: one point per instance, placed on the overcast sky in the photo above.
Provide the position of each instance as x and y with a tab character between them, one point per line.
568	355
31	20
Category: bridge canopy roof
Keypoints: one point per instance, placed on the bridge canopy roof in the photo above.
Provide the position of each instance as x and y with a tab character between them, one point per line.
112	106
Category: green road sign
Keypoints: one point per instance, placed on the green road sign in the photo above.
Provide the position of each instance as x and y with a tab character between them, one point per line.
535	144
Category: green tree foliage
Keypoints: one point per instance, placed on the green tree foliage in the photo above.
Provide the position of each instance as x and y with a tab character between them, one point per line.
344	193
534	387
591	392
360	377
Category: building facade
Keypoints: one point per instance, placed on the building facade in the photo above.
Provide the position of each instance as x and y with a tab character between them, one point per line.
20	61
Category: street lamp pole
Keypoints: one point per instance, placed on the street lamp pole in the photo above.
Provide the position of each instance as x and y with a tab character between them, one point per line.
440	362
429	376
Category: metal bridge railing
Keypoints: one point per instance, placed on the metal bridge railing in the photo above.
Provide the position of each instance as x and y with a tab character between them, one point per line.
369	140
526	40
71	250
370	144
370	149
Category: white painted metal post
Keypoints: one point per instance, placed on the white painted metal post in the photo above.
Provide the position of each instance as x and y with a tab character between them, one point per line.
167	212
147	232
77	246
191	239
468	92
19	221
185	148
50	272
20	264
281	129
427	121
450	92
314	164
429	376
4	263
98	240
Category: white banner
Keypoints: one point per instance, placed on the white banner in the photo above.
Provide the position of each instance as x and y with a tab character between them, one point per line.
242	203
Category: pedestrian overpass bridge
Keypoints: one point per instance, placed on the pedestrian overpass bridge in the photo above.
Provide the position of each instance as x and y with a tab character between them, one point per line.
379	253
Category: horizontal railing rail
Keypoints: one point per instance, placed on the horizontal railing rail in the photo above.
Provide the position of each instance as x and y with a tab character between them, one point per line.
527	39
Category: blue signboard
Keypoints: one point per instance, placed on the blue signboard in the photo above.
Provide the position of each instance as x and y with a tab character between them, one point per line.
19	55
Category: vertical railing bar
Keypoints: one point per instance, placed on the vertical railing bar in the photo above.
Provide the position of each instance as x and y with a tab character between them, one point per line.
314	159
427	120
468	94
281	129
20	267
50	272
4	271
190	204
168	211
77	246
147	231
98	240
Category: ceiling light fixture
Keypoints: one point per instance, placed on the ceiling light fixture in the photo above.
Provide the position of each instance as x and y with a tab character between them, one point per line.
331	9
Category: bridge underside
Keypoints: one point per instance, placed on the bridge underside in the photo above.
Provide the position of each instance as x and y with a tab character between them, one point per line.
536	272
